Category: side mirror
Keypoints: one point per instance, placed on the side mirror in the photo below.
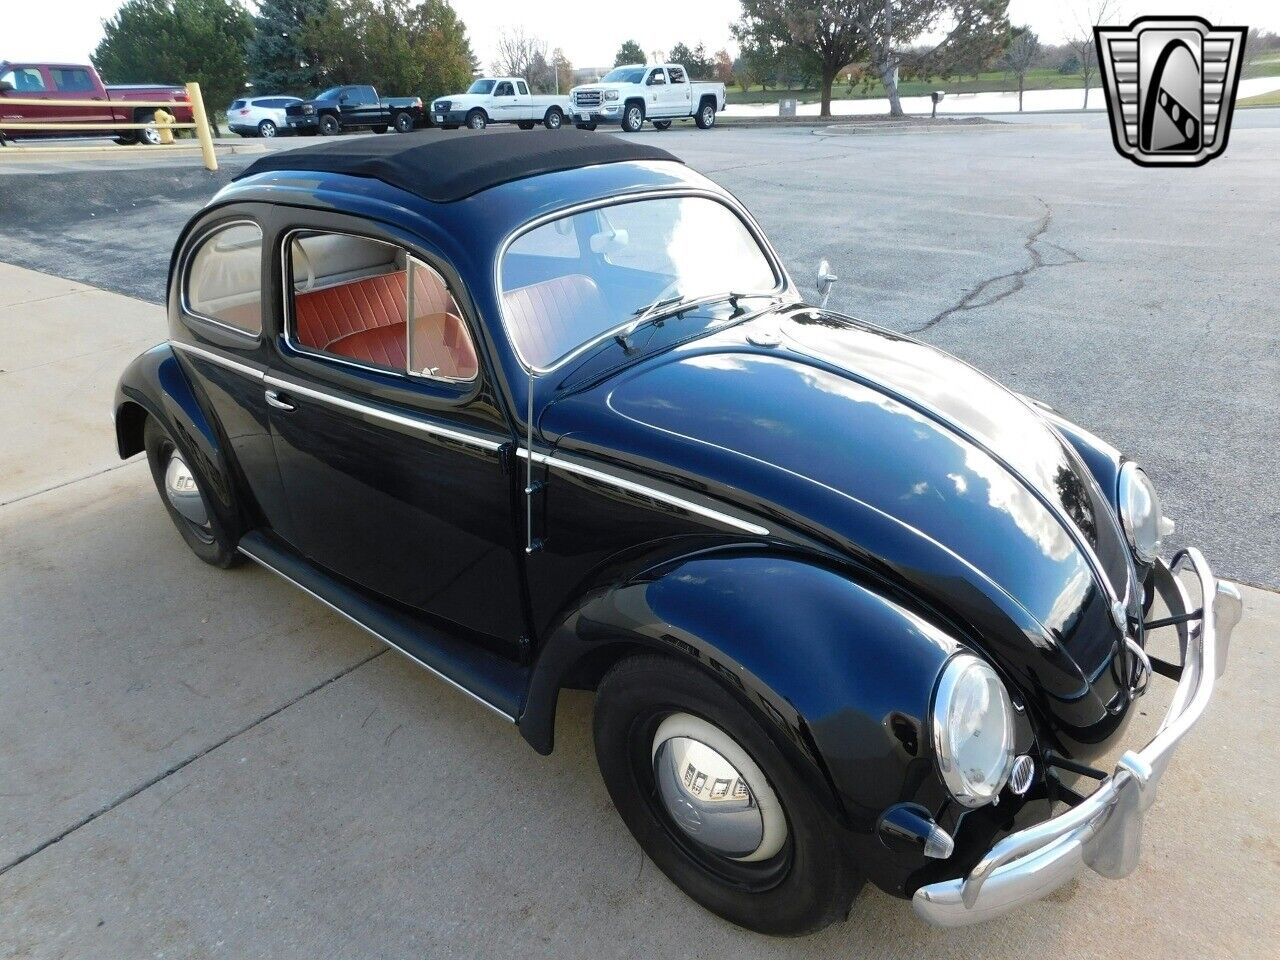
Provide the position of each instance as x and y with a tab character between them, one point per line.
343	98
5	86
826	280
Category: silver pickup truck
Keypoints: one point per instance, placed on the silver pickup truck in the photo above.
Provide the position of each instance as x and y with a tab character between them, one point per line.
658	93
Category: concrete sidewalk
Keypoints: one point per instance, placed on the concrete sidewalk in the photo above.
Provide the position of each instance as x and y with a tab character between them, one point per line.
199	763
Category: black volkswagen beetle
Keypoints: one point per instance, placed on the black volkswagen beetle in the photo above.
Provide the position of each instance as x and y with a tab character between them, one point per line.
546	411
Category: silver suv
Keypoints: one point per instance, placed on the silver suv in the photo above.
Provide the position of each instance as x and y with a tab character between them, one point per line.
259	116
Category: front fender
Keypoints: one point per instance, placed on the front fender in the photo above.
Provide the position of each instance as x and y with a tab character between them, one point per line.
843	673
154	384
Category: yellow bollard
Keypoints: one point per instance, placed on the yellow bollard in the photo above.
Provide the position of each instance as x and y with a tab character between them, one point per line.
163	120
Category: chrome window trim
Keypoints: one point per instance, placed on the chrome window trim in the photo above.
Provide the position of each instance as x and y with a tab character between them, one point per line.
184	275
570	466
781	288
387	416
257	373
287	312
374	633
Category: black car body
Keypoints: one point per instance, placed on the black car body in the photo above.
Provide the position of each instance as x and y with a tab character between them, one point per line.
354	107
818	540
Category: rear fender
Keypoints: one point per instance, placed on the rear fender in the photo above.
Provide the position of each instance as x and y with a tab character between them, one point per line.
842	674
154	384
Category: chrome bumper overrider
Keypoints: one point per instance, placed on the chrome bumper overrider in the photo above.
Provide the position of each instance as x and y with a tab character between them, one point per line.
1104	832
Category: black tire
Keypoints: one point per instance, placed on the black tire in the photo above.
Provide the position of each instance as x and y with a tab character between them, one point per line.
477	119
329	125
525	124
554	119
448	126
808	884
212	542
633	117
267	128
403	122
586	126
149	137
379	128
662	124
705	118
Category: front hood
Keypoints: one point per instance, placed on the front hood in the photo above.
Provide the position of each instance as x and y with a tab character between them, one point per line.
895	450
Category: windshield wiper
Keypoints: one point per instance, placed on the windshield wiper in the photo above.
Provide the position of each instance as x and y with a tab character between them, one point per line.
667	306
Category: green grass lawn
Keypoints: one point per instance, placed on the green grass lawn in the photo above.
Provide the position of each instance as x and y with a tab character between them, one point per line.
1271	99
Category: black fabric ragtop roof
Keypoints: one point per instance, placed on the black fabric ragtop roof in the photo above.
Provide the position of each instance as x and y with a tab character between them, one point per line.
446	165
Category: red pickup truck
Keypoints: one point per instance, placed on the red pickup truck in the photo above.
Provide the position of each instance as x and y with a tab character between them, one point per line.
69	81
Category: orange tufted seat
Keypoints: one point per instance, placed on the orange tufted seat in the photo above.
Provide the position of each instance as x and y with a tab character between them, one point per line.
365	320
550	318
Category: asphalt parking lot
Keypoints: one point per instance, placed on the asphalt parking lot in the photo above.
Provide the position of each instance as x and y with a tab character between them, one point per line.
198	763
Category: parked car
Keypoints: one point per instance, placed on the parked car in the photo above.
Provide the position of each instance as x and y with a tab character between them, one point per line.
632	94
73	81
260	116
545	411
351	107
499	100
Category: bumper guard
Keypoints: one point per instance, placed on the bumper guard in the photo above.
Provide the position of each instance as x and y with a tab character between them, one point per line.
1104	831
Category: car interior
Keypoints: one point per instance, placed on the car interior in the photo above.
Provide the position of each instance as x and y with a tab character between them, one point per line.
351	298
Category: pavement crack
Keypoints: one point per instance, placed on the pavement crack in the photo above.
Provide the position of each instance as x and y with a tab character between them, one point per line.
66	483
990	291
186	762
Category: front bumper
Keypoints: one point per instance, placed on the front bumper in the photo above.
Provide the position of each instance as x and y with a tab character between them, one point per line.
440	117
604	113
1103	832
305	122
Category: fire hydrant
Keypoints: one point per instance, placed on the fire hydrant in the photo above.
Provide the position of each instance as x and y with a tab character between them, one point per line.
163	120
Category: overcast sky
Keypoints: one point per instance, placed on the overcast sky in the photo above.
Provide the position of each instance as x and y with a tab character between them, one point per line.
68	30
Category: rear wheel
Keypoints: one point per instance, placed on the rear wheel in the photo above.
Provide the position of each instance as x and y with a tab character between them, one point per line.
633	118
149	136
585	126
329	125
477	119
553	119
403	122
662	124
182	487
706	115
713	801
525	124
267	128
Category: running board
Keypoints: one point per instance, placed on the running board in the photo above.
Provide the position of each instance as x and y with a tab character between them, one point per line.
496	683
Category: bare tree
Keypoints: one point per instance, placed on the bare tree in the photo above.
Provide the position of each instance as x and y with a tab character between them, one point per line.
1082	44
521	54
1020	55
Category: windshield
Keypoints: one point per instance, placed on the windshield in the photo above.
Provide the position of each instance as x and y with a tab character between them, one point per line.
330	94
570	281
624	75
480	86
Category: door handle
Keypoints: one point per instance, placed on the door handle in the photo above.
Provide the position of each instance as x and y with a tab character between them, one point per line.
279	400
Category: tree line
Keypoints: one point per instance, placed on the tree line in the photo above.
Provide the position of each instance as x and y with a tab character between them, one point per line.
403	47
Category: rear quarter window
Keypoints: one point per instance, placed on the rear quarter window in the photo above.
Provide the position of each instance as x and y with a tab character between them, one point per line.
224	278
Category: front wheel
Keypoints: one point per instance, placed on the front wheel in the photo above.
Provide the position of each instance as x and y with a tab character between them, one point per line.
633	118
706	117
380	128
329	125
403	122
477	120
553	119
712	800
177	475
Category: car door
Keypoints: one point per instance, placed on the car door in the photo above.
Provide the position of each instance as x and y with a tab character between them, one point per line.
524	103
28	83
679	93
655	99
390	446
349	106
504	102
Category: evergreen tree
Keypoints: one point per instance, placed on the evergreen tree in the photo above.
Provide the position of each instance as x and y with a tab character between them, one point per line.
629	52
277	59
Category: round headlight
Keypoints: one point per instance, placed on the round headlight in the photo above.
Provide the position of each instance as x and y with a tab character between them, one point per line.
972	730
1140	513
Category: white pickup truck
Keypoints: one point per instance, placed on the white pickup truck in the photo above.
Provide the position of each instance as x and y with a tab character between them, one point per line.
499	100
658	93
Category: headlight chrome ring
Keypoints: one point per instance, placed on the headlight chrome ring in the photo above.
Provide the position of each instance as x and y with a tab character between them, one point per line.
1141	513
973	734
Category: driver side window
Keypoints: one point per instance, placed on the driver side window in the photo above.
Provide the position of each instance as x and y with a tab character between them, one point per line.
658	76
504	90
